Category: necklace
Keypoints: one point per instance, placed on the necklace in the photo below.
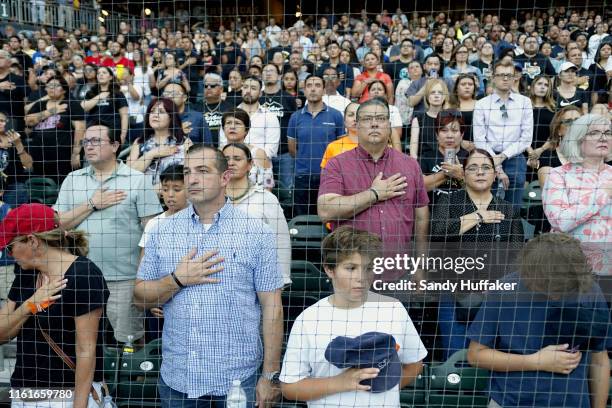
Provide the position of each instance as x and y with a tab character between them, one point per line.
209	109
235	199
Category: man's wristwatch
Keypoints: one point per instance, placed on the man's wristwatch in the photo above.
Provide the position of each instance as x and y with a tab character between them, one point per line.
273	377
91	205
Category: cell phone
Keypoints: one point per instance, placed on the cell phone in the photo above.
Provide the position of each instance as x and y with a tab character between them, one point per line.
433	73
450	156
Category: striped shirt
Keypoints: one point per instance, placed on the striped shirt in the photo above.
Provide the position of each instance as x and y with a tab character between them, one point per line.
211	331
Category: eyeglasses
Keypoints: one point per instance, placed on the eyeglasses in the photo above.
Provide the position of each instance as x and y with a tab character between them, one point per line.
474	168
377	118
505	77
504	111
597	135
567	122
210	86
94	141
9	247
330	77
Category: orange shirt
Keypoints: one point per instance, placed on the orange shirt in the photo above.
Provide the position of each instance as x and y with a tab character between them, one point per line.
344	144
379	75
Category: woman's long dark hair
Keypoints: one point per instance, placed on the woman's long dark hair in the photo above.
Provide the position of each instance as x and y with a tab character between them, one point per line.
113	86
176	125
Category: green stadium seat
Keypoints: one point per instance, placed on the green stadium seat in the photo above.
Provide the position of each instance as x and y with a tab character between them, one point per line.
307	231
42	190
415	395
455	383
112	359
138	376
306	277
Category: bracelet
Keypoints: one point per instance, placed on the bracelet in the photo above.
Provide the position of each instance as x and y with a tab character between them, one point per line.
177	281
480	219
38	307
92	206
375	193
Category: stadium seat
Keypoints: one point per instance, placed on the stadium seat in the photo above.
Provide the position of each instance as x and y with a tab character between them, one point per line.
528	229
306	277
455	383
307	233
112	359
138	375
415	395
42	190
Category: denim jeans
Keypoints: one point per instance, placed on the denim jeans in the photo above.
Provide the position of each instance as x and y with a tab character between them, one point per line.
284	165
305	194
516	169
16	194
174	399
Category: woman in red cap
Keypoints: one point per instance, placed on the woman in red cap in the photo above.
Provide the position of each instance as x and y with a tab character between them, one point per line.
54	308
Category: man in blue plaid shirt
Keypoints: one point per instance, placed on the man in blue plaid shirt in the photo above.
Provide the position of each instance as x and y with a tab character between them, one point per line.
215	272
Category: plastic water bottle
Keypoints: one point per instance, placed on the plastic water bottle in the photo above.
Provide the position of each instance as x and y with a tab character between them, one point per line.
501	193
128	347
236	397
108	402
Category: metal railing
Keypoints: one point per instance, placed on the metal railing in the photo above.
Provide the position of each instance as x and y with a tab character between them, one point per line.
36	12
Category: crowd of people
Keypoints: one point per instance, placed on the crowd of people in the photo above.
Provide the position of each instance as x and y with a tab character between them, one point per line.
181	152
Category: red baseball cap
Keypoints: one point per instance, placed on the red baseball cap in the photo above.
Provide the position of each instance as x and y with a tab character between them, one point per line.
26	219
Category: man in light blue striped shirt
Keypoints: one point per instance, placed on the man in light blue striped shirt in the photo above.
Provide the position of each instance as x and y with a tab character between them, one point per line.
215	272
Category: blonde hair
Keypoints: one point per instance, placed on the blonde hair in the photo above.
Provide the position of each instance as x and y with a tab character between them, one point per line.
72	241
571	144
429	87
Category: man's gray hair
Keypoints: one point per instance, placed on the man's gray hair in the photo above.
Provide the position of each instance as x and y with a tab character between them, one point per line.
571	144
211	76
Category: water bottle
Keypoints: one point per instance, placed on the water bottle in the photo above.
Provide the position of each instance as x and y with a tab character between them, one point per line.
236	397
108	402
501	193
128	347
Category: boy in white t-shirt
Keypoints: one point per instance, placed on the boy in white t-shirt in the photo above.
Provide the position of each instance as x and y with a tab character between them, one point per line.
350	312
175	199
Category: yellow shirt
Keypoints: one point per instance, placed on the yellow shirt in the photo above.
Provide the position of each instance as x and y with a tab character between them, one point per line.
344	144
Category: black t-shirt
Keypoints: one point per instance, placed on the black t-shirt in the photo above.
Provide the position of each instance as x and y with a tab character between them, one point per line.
468	117
51	140
11	101
397	70
550	158
427	133
37	364
232	51
107	110
580	97
431	163
534	66
24	60
283	105
10	165
213	113
234	98
599	79
541	126
485	69
192	71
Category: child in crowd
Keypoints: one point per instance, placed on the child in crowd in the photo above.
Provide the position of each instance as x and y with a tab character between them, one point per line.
545	342
175	199
354	348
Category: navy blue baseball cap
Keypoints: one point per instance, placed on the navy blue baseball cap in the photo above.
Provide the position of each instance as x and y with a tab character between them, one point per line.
370	350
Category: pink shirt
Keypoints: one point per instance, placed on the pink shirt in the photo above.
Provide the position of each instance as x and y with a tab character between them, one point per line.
393	220
576	203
